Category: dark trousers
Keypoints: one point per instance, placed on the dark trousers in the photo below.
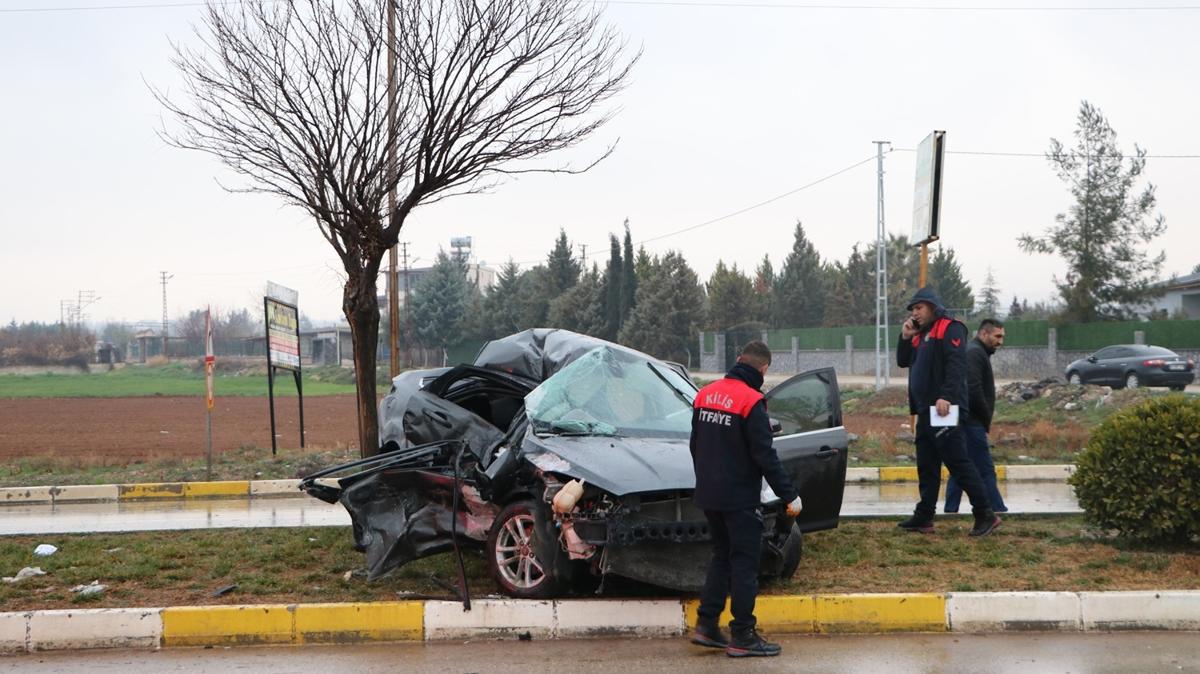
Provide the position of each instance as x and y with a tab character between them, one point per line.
733	571
944	445
977	449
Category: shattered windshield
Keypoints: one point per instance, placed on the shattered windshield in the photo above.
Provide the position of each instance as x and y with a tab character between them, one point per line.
612	392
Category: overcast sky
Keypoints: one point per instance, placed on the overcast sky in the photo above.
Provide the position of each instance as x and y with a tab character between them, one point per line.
729	106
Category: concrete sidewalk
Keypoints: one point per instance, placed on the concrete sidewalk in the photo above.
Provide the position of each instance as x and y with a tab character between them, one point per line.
225	626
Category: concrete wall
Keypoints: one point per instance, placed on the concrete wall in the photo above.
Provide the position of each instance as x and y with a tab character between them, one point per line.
1011	362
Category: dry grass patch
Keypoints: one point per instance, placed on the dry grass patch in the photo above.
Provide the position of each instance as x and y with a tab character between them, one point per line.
310	565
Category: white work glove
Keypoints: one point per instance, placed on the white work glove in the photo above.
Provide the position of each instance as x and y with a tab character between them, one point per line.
794	508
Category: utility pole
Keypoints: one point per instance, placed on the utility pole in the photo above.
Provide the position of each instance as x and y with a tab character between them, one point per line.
85	299
882	341
163	277
408	328
393	295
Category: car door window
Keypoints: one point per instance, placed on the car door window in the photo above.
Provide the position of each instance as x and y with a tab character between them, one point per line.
1102	354
804	403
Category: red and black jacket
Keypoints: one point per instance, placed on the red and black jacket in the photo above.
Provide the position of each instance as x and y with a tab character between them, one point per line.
731	444
936	362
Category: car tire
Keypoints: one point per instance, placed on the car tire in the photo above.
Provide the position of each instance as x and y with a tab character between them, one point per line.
516	554
1074	378
1178	387
1132	381
793	550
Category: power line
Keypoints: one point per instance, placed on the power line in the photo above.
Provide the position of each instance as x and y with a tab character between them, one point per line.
1043	155
961	9
734	213
761	203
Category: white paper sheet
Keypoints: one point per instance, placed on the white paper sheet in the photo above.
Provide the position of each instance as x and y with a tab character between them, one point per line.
948	420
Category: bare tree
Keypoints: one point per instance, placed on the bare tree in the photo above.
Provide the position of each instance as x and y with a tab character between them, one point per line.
293	95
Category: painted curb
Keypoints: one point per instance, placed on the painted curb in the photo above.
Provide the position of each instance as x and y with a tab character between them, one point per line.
156	491
296	624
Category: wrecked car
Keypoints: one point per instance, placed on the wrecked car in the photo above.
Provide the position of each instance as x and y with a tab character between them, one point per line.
565	459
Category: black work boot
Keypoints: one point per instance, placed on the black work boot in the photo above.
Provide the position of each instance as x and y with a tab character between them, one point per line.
985	523
749	643
709	635
917	523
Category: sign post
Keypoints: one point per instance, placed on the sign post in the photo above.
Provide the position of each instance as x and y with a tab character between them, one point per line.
283	349
927	205
209	361
927	197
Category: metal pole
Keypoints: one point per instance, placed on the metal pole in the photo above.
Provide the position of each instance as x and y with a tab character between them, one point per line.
393	294
882	366
208	444
924	265
270	376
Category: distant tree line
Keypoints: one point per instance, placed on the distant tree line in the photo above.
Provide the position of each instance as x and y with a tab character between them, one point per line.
657	303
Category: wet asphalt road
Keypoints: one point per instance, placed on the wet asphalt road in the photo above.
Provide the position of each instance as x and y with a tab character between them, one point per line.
894	654
859	500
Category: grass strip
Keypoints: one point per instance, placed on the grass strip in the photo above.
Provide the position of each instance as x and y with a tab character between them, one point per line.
284	566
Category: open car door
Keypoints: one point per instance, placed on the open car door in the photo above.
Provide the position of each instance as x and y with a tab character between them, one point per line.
812	443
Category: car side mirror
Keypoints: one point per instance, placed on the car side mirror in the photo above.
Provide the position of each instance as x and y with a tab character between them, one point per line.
1091	359
776	427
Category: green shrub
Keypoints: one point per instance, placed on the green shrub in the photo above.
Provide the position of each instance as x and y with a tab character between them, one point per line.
1140	471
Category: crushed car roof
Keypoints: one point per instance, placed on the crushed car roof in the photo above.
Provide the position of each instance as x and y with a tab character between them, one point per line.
540	352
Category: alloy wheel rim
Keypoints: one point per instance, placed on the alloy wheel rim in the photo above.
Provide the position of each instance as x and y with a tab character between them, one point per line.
1131	381
515	558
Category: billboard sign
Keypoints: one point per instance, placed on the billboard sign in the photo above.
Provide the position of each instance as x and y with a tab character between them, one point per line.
927	195
283	334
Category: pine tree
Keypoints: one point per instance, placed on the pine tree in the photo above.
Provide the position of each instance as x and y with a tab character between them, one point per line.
1102	236
800	289
667	312
764	291
500	309
581	309
1015	310
850	299
612	290
989	297
730	298
562	269
642	267
440	302
946	277
628	277
532	306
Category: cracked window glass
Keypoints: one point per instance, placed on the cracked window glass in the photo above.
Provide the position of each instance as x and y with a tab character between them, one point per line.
612	392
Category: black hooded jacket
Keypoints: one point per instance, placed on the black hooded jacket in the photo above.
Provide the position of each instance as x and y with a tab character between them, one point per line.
936	360
981	385
732	449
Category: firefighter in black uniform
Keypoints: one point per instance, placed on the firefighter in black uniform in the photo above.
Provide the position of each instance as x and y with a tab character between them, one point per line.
732	453
933	348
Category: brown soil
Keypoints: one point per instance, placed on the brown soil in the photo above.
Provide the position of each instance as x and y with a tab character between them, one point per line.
889	426
108	429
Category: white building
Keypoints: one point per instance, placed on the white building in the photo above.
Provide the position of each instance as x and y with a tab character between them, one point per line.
1181	297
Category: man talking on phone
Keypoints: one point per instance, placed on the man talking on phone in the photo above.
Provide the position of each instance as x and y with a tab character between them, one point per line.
933	348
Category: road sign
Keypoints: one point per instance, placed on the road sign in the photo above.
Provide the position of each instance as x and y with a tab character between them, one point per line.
927	196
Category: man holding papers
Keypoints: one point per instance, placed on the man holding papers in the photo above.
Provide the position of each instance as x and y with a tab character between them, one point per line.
933	348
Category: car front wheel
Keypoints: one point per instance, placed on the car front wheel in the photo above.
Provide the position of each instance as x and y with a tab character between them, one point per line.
793	550
1131	380
516	554
1074	378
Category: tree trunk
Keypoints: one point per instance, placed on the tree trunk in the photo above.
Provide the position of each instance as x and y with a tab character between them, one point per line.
361	307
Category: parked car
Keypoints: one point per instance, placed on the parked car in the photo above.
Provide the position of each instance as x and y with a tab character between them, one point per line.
486	448
1133	365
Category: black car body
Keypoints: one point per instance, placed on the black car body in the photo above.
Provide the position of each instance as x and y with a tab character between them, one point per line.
487	446
1131	366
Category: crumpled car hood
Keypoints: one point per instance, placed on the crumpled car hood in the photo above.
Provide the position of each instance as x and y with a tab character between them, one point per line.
617	465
